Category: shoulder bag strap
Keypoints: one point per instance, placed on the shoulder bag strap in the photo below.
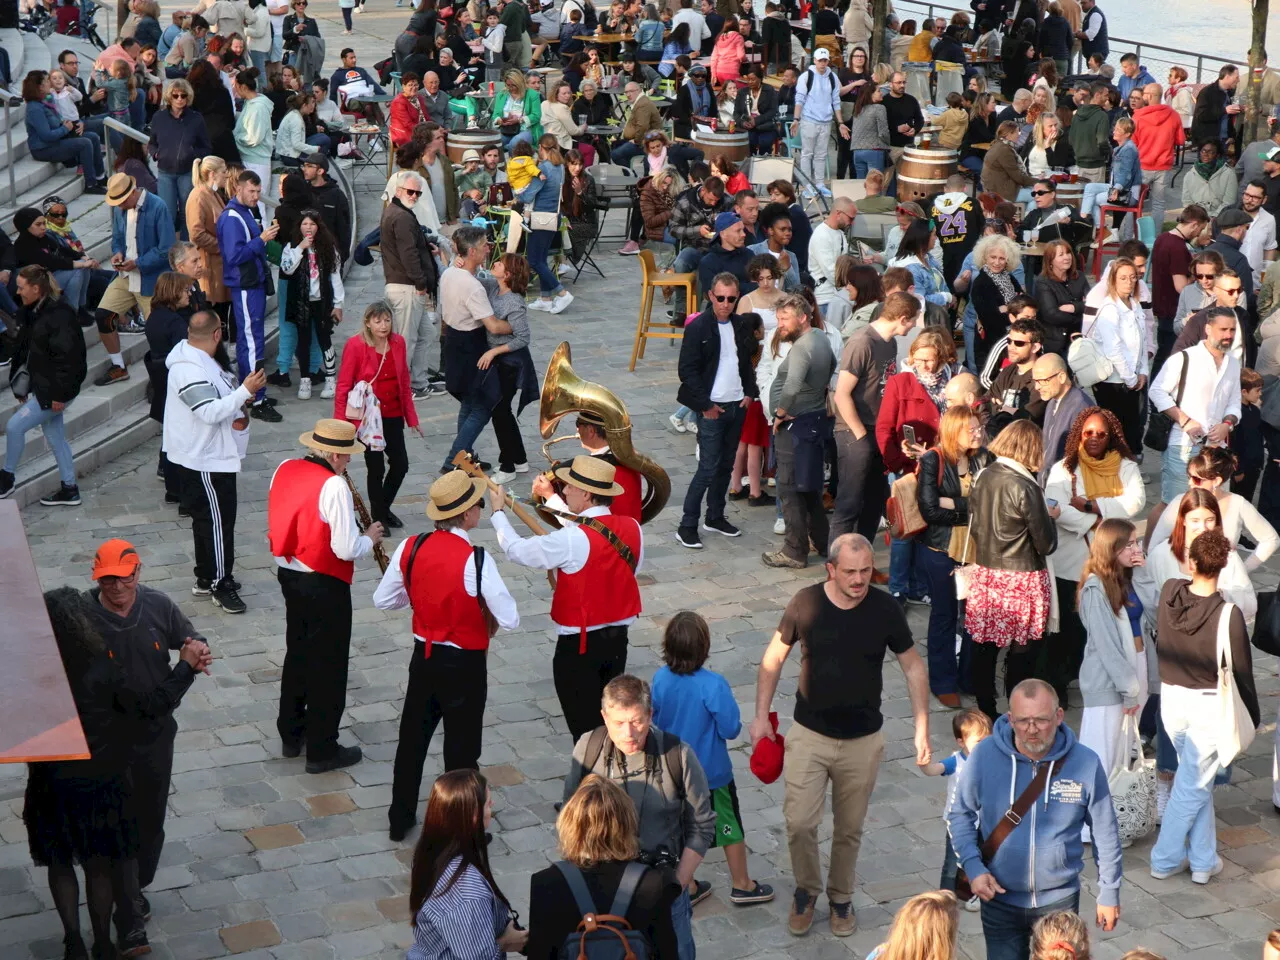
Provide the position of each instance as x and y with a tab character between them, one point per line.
578	887
1013	816
631	878
674	760
595	747
1182	380
478	556
418	541
1224	640
624	551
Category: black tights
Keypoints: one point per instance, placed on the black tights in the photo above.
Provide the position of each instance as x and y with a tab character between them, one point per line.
104	886
383	487
323	330
1019	664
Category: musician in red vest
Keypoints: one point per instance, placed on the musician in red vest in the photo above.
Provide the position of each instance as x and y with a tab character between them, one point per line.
312	529
591	432
596	554
459	601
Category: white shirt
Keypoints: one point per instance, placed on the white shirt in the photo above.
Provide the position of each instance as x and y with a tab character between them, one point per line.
291	258
338	510
1211	394
727	386
825	246
1260	238
392	595
565	550
131	241
1074	526
1237	514
1119	331
698	29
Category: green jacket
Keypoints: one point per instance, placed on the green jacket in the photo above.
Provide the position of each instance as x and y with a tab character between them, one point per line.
532	111
1090	134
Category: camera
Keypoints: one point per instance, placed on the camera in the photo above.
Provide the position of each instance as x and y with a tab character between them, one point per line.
662	858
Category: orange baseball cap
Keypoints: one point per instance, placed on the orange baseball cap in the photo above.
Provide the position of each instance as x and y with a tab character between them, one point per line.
115	558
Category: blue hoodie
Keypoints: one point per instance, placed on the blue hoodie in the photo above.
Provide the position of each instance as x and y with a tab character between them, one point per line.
1040	861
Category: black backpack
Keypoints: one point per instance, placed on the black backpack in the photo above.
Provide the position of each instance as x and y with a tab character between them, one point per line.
604	936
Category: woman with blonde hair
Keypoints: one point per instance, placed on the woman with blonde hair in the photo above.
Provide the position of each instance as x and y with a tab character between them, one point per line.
1047	150
924	928
542	197
1120	331
992	290
204	205
597	828
1060	936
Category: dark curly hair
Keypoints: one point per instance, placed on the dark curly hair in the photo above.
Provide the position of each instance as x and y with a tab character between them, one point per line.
1071	455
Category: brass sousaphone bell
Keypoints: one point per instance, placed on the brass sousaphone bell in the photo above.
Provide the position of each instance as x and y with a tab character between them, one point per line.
564	392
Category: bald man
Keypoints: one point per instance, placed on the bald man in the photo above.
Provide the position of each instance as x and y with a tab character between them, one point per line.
1064	401
1157	134
963	390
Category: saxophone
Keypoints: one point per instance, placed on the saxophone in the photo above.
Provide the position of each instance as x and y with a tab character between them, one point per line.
366	522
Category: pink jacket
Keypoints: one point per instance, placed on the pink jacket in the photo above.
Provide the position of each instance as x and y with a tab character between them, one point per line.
360	362
727	56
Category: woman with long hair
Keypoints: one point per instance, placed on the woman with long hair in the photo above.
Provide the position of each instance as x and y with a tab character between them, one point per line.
53	139
508	355
859	290
517	111
557	117
1012	531
315	297
581	203
1047	151
944	484
924	928
212	100
657	199
915	254
993	288
253	133
458	909
166	327
542	196
728	52
204	205
377	357
868	142
1060	291
748	463
677	45
1120	330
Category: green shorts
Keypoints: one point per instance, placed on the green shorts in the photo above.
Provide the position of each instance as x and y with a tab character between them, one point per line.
724	800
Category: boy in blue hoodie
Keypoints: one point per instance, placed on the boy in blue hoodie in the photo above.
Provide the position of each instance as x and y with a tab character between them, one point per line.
969	727
1036	871
697	705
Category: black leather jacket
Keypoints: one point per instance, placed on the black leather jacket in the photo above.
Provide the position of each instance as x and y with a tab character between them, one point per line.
929	489
1010	521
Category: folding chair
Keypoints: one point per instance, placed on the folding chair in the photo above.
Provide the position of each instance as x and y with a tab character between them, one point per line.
586	259
615	182
651	281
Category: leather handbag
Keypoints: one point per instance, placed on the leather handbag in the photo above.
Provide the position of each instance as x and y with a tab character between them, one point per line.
20	383
1159	426
902	509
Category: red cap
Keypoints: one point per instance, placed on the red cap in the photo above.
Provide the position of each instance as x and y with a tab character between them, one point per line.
766	758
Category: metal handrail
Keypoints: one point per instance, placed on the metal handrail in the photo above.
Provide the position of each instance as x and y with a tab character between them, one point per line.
8	145
111	123
1136	45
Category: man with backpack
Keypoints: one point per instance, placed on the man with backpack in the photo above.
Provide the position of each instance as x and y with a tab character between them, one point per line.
817	104
665	781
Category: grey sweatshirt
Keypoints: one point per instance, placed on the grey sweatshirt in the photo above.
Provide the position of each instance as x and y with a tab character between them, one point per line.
801	384
672	816
1107	676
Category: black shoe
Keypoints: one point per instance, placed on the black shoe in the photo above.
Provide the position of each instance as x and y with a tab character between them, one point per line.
134	944
740	494
290	751
112	375
399	831
701	890
225	596
142	907
393	521
183	511
484	465
688	537
67	496
764	500
265	412
73	948
723	527
96	189
202	588
7	484
270	401
172	498
279	379
345	757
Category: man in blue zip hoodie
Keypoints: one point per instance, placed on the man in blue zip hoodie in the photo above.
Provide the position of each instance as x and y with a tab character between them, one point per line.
1036	871
246	273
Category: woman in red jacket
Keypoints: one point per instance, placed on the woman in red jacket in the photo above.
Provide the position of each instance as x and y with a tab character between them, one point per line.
377	356
913	398
407	110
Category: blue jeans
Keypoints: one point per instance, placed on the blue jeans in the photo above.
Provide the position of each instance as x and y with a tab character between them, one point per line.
28	417
259	59
86	150
1173	470
950	866
346	17
1007	929
74	284
974	164
524	136
945	675
1187	831
905	577
717	447
865	160
683	413
1167	755
287	345
686	261
536	251
970	344
322	142
174	188
471	420
682	920
623	153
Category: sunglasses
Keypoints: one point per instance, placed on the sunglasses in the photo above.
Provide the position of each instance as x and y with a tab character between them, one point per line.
1206	276
411	193
1041	193
1230	291
729	299
177	96
1018	343
55	216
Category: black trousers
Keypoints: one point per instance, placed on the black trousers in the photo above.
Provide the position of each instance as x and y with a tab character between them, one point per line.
313	683
1019	664
1129	406
580	677
804	514
324	337
863	488
210	498
450	685
1062	653
505	427
1165	339
172	477
150	768
387	469
1269	495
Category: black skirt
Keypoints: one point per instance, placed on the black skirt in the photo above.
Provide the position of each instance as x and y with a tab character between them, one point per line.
71	819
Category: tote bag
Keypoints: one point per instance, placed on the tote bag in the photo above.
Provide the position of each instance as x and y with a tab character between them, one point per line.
1235	727
1133	786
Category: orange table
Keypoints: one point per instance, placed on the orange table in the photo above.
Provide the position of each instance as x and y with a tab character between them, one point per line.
38	719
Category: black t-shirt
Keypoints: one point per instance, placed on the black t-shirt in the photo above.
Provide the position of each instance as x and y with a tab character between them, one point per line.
841	670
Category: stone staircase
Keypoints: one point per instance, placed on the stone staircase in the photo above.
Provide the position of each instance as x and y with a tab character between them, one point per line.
103	422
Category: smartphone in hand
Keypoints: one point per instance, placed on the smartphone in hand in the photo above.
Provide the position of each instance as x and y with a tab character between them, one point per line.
909	434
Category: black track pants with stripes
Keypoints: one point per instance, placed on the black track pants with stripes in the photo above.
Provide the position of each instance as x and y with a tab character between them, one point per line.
210	498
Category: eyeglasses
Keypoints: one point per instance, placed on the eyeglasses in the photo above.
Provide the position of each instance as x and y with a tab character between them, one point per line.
1206	276
729	299
1026	723
1049	379
1041	193
1018	343
411	193
109	582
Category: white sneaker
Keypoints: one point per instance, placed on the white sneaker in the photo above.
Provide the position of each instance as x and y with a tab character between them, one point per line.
779	526
677	424
522	467
562	302
1203	876
808	193
1166	874
973	904
564	269
502	477
330	388
304	388
540	304
691	425
1162	797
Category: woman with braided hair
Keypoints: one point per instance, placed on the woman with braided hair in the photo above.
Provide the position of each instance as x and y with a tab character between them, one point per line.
1097	479
1060	936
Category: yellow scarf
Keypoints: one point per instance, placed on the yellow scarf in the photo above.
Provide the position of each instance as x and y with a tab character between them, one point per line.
1101	477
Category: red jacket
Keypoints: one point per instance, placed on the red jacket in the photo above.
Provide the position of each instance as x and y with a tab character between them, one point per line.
404	118
1157	130
727	56
360	362
905	401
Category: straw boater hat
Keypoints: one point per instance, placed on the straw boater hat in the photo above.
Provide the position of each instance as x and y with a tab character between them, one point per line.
592	475
332	436
119	187
452	494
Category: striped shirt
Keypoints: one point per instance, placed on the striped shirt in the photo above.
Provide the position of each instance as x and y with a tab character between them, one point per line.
462	923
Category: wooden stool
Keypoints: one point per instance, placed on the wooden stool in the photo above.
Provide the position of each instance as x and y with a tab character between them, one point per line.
651	281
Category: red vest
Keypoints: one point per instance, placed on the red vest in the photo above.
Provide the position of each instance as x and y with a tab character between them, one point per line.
628	503
603	591
443	611
295	529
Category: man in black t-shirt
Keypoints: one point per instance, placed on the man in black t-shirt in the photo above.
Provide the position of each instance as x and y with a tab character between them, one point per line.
844	627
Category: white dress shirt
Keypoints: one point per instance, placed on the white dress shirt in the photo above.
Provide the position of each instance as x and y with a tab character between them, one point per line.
565	550
1074	526
1212	392
1260	239
338	510
392	595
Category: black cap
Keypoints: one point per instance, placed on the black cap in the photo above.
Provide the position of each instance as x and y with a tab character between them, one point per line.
318	159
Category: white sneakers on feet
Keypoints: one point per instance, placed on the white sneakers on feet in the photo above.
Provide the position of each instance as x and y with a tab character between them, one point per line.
677	424
304	388
522	467
1204	876
779	526
540	304
564	269
561	303
502	477
329	389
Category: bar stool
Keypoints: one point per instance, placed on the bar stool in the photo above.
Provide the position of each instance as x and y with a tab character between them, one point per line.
651	281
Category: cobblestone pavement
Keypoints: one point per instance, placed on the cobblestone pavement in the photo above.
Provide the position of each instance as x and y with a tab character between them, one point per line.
264	861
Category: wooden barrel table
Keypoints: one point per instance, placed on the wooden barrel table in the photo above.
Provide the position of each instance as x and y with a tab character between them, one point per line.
460	141
735	146
922	174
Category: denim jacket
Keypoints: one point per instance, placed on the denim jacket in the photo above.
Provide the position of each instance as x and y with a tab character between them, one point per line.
1126	170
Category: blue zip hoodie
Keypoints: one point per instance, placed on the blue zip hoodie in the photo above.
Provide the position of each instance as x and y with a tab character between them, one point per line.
1040	861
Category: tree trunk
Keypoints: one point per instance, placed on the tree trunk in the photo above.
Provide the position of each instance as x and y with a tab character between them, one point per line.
879	49
1255	124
